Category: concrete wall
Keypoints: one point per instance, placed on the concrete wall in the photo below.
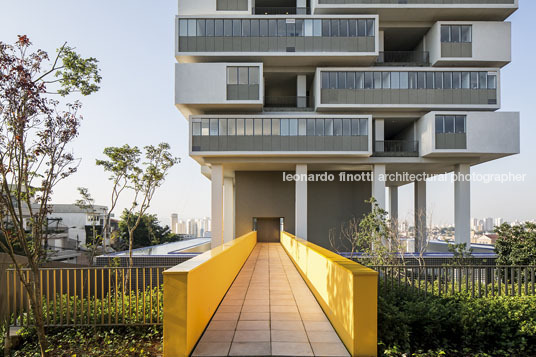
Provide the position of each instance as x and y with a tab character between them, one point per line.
206	83
262	194
206	7
331	204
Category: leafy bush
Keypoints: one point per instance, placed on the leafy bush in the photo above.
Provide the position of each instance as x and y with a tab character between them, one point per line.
454	325
516	244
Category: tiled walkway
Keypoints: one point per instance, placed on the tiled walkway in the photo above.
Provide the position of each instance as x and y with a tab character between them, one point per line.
269	311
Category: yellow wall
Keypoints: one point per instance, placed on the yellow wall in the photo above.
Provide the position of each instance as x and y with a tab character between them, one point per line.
347	292
194	289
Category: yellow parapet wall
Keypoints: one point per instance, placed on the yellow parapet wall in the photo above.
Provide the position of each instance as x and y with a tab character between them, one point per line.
347	292
194	289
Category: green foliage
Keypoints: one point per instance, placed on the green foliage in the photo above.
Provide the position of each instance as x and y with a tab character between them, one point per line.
77	73
461	255
455	325
149	231
516	244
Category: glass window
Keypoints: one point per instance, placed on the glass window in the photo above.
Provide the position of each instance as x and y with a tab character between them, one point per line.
227	28
334	28
196	128
302	126
483	80
231	126
325	28
466	80
223	127
291	29
257	127
341	78
205	123
293	127
209	26
237	28
232	75
456	80
359	80
308	27
337	127
263	25
317	28
328	127
218	32
333	80
445	33
213	127
343	30
249	127
395	80
246	29
319	127
430	80
253	75
201	28
300	31
370	28
192	26
492	81
346	127
325	79
460	124
183	27
449	124
242	75
281	28
439	80
310	127
254	28
275	127
369	80
352	28
412	80
386	80
377	80
447	80
284	127
363	127
350	80
421	80
439	125
240	127
474	80
361	28
467	36
404	80
355	127
272	30
456	34
266	127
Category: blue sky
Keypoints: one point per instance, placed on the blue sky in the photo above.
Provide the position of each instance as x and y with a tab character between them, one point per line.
133	40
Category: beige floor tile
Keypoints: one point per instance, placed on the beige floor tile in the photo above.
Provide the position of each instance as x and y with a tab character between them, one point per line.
256	308
289	336
212	349
284	308
255	316
232	302
230	308
287	325
291	349
222	325
323	336
219	316
250	349
252	336
329	349
217	336
276	302
251	302
253	325
313	316
285	316
317	326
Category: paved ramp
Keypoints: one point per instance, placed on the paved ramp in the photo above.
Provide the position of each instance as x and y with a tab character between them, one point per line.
269	311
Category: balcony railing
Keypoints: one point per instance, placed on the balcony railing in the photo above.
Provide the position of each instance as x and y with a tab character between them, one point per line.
281	10
389	148
409	58
289	102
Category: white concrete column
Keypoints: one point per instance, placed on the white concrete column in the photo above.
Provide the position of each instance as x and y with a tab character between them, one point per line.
462	205
420	215
379	135
301	3
228	209
301	203
382	40
301	91
393	205
378	185
217	205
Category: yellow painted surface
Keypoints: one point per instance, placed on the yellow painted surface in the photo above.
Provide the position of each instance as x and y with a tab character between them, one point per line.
347	292
194	289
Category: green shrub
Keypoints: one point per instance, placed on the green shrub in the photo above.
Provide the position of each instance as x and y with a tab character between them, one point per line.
516	244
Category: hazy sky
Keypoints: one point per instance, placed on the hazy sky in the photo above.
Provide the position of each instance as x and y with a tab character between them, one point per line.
133	40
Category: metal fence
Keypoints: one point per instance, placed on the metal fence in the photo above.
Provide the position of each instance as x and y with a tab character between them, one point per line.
412	58
99	296
473	280
278	10
289	101
396	148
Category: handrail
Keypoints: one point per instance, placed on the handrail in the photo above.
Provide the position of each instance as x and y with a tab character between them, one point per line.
289	101
280	10
412	58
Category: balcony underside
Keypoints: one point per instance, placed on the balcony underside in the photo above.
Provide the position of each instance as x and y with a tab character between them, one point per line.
283	59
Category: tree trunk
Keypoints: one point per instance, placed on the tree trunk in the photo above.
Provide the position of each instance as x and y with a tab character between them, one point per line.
130	245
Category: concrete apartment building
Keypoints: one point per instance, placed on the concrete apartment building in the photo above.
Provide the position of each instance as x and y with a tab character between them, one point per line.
354	86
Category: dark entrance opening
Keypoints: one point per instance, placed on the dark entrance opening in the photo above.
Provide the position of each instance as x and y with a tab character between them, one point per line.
268	229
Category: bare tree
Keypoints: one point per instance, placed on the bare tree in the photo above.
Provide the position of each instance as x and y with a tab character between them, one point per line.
35	134
87	203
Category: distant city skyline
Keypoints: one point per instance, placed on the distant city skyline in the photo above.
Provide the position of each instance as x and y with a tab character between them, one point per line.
134	43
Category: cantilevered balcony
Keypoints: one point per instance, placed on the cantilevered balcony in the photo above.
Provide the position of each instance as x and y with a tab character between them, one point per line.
403	58
396	148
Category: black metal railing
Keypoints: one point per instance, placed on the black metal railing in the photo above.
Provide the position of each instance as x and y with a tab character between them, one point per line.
396	148
410	58
278	10
472	280
289	102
